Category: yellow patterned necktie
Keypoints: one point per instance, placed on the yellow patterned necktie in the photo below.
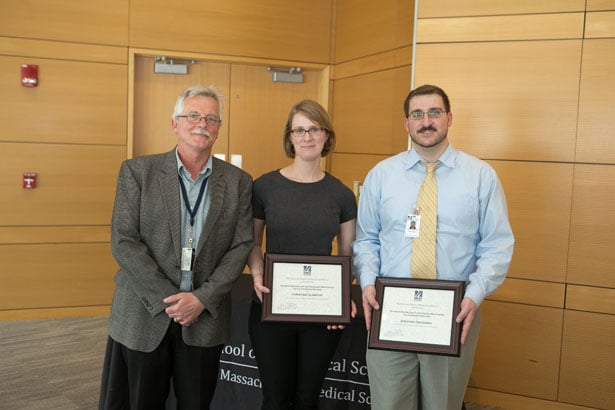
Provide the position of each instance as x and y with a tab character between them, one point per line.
423	259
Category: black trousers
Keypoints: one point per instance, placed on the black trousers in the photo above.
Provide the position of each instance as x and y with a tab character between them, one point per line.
293	360
141	380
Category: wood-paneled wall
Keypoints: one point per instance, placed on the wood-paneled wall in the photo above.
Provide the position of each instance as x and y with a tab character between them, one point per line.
73	129
370	79
532	89
532	86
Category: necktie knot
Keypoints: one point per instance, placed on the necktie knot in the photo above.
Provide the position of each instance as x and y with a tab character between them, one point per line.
431	166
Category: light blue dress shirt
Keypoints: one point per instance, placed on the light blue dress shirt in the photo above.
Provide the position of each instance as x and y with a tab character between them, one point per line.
474	238
192	189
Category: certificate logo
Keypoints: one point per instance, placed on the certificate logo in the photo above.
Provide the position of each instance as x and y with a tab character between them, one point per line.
307	270
418	295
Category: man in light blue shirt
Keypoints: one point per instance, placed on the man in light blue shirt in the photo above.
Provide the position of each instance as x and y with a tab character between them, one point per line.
474	244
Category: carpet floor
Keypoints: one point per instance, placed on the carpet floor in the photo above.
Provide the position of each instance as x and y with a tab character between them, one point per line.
57	363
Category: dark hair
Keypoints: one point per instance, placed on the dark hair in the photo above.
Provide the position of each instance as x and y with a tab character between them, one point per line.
318	115
426	89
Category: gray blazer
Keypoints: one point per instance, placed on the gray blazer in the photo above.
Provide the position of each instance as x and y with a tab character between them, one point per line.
146	243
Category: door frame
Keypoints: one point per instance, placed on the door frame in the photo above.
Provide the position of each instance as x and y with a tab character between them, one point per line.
133	53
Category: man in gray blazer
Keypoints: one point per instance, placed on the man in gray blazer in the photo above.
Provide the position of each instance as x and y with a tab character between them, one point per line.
181	232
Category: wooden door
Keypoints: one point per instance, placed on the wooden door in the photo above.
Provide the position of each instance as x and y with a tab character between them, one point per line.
154	100
259	109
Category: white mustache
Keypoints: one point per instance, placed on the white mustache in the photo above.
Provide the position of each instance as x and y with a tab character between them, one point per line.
201	132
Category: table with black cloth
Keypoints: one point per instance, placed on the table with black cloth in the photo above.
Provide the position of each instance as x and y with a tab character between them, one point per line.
345	386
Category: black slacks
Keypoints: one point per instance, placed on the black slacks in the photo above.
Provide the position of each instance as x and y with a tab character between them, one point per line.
141	380
293	360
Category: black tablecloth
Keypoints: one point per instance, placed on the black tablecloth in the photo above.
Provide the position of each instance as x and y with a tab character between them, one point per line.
345	386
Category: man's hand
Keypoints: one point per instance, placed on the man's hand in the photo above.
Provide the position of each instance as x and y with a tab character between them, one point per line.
369	303
184	308
466	315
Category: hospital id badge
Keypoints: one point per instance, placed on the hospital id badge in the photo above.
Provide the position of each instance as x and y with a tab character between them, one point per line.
413	225
186	262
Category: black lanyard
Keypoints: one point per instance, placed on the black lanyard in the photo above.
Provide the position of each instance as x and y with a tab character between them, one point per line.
192	212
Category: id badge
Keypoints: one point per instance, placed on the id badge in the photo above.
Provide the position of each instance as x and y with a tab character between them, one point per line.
186	262
413	226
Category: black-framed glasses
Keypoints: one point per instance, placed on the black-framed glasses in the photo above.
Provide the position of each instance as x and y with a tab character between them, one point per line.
195	118
418	115
313	131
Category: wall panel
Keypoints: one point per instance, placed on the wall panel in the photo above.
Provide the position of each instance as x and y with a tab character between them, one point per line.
368	112
377	62
523	358
600	24
503	101
75	184
61	275
369	64
592	232
513	401
501	28
270	29
68	20
596	129
590	299
54	234
75	102
541	229
388	26
23	47
531	292
593	5
588	363
444	8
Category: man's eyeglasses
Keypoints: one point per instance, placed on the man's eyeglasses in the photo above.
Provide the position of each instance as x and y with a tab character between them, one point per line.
418	115
313	131
195	118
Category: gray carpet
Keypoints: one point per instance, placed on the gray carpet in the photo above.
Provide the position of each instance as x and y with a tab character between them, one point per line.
51	364
57	364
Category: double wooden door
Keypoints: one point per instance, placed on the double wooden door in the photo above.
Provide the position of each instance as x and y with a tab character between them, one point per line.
254	108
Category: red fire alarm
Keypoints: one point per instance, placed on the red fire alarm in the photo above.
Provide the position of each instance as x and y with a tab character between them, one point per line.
29	180
29	75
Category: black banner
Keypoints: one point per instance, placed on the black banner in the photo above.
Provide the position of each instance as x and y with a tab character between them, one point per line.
239	387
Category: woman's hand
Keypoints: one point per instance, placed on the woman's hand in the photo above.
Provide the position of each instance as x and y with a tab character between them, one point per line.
353	313
259	288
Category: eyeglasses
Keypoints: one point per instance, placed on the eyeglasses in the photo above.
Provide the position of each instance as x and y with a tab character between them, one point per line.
418	115
195	118
313	131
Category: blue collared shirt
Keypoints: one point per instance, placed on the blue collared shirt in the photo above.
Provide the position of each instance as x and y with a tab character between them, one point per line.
192	189
474	238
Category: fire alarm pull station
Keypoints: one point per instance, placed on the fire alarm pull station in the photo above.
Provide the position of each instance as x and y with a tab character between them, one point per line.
29	75
29	180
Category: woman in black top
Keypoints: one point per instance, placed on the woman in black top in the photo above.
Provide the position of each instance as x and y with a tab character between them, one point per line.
304	209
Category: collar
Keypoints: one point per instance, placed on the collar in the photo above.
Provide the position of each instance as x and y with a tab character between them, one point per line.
181	169
447	158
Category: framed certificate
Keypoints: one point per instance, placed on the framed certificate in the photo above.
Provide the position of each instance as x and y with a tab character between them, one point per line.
305	288
417	315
